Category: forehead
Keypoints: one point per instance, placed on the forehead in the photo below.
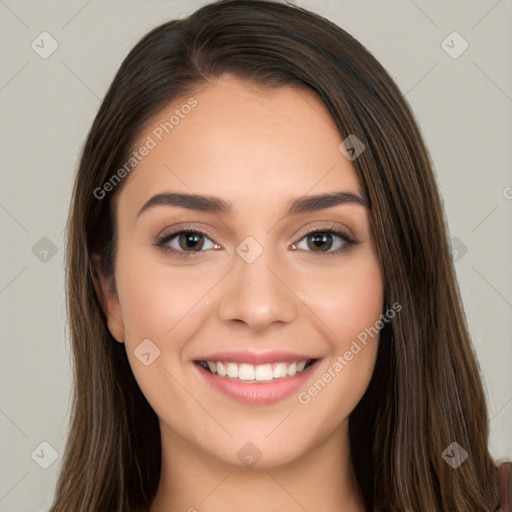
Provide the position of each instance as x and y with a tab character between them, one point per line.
241	141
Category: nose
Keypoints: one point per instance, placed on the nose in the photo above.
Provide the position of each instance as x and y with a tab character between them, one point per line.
257	294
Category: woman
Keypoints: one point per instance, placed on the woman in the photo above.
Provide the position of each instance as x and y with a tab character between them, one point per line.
223	359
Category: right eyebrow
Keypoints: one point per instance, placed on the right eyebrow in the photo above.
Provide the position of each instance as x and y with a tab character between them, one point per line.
207	204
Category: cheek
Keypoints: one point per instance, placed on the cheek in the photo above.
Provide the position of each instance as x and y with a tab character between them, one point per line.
168	306
347	298
155	299
350	308
360	302
163	305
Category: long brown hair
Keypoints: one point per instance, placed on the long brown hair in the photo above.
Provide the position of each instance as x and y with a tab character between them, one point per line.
425	392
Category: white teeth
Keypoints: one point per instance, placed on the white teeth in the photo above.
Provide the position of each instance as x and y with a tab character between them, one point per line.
281	370
232	370
259	372
246	372
221	369
264	372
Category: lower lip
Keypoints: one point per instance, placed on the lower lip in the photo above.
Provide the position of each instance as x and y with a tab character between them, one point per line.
254	392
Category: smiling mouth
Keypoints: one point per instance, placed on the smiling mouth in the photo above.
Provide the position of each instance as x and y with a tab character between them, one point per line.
247	372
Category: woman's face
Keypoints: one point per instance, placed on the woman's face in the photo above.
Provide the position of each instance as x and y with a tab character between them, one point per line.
248	292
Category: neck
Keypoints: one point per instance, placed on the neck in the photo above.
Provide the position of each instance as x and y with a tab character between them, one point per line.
194	481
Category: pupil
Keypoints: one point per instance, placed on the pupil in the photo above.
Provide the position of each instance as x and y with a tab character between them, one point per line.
319	240
192	239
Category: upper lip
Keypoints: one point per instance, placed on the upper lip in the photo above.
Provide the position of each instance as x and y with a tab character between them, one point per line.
256	357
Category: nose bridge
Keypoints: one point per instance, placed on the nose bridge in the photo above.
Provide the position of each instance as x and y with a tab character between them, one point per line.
255	292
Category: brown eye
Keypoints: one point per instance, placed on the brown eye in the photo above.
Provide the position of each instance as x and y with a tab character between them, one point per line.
319	240
189	240
328	242
185	242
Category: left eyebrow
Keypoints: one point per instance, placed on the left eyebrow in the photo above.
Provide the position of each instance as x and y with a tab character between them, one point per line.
321	201
216	205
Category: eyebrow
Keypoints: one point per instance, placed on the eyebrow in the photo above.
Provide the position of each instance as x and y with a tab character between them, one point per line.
216	205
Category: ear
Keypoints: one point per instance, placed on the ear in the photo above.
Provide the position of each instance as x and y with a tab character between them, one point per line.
105	286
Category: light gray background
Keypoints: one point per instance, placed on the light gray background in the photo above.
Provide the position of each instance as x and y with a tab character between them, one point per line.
463	107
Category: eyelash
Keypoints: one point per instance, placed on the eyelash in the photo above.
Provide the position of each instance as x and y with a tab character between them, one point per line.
162	241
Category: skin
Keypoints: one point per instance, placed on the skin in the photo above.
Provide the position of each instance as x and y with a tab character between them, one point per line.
257	148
